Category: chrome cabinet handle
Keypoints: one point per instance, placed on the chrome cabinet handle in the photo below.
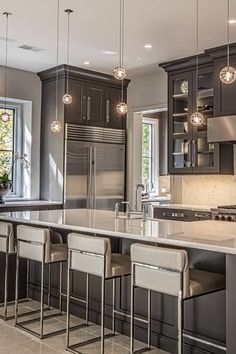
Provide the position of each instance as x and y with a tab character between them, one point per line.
89	108
84	107
108	111
194	153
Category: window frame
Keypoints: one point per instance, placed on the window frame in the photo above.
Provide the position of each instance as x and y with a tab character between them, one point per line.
17	171
154	151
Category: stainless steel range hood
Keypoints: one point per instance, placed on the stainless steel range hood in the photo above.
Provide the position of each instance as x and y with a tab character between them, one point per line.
221	129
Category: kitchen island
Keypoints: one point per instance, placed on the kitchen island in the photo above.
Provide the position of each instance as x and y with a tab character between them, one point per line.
211	246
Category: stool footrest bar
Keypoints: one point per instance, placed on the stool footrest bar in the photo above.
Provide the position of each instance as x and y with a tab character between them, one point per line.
204	342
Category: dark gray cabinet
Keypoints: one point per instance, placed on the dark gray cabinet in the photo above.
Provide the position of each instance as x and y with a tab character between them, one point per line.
94	97
225	102
189	151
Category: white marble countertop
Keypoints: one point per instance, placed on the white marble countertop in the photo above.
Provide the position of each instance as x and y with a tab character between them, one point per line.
206	235
15	203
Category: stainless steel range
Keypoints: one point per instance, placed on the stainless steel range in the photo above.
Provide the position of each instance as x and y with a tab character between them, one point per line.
224	213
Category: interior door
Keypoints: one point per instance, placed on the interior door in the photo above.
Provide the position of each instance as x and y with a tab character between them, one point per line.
109	175
78	177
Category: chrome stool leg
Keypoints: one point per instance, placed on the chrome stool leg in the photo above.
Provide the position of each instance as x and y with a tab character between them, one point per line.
60	287
102	313
42	300
87	299
113	305
27	278
149	319
16	290
180	324
68	303
49	285
132	314
6	288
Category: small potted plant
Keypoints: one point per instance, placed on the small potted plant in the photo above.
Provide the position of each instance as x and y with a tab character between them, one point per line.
6	175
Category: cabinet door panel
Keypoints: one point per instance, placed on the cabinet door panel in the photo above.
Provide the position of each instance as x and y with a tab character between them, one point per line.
112	118
225	103
95	104
75	112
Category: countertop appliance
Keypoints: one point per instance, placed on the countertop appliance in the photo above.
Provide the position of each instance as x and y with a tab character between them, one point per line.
181	214
94	167
224	213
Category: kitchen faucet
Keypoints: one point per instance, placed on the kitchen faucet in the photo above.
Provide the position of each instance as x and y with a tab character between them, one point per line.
138	186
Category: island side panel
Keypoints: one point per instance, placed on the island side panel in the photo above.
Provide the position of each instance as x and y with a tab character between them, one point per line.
231	304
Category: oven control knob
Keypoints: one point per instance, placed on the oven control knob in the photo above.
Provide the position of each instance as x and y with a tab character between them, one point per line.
217	217
229	218
220	217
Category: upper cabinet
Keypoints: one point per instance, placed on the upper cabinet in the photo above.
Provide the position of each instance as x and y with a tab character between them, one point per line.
189	150
94	97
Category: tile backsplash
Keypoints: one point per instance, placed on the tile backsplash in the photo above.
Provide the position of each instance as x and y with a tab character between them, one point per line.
209	190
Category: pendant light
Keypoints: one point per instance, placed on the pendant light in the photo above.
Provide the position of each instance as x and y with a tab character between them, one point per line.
67	98
5	116
197	118
119	72
228	73
122	107
56	126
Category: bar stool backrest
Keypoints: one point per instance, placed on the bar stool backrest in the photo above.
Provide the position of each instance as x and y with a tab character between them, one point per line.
164	270
7	241
89	254
33	243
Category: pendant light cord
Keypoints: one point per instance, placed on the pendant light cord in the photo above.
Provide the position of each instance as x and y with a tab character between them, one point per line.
57	54
122	30
227	32
68	49
6	59
197	49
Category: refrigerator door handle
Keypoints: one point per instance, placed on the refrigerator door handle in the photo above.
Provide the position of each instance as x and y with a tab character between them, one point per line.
90	193
94	176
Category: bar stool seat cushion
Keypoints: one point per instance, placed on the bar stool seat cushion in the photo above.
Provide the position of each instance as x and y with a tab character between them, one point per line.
120	265
58	253
202	281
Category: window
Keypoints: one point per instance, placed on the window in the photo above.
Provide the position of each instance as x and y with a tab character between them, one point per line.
147	143
150	154
7	143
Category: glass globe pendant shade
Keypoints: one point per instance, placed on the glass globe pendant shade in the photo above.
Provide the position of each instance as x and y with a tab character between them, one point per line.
122	108
56	126
228	75
119	73
197	119
67	99
5	117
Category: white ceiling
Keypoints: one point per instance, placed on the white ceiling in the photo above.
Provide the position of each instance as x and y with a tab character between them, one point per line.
168	24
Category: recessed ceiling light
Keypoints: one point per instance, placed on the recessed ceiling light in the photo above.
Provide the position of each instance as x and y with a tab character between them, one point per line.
86	62
109	52
148	46
232	21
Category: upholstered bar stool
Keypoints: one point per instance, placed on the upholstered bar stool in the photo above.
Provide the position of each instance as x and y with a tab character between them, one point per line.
92	255
166	271
7	246
44	246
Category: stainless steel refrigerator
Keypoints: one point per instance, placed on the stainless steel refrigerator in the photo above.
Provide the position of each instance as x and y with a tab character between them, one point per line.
94	167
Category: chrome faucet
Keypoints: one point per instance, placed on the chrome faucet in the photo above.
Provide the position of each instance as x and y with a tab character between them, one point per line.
139	185
117	209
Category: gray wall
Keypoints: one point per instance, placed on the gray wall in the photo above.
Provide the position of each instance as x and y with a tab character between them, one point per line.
147	92
26	85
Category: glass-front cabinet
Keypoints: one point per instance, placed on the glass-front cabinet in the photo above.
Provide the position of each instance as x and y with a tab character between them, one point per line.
189	150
